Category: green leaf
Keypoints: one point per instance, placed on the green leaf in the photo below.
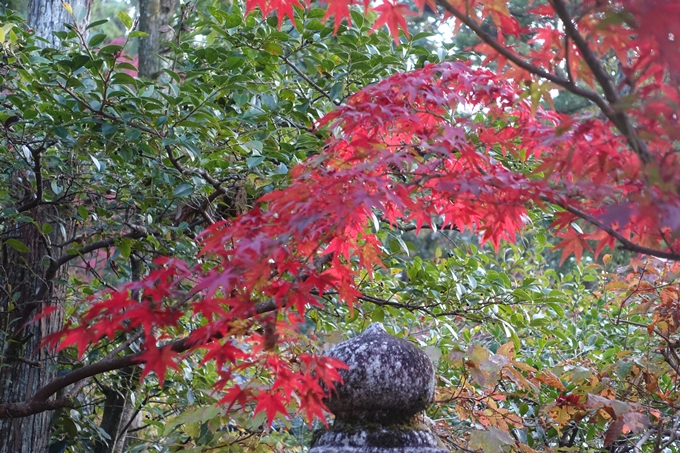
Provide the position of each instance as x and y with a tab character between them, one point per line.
623	369
173	75
124	247
125	19
4	30
233	21
183	190
273	48
46	228
17	245
336	90
79	61
254	161
138	34
97	23
97	39
218	14
378	315
56	188
82	212
96	162
126	66
123	79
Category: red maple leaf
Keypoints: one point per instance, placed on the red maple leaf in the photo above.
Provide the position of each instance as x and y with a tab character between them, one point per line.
340	9
573	242
283	8
271	403
236	394
392	15
312	404
157	360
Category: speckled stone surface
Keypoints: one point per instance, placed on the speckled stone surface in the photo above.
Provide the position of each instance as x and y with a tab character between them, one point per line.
389	381
383	440
387	377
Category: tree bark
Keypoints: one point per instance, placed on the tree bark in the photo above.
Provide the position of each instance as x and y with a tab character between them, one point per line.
48	16
118	410
26	280
149	47
153	14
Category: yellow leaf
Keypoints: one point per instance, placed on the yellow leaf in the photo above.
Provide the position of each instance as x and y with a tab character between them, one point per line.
67	7
508	350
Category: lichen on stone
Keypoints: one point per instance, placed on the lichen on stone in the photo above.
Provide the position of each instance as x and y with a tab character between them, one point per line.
389	381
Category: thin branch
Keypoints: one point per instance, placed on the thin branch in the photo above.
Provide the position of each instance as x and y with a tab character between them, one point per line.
199	171
625	243
618	118
308	80
108	116
520	62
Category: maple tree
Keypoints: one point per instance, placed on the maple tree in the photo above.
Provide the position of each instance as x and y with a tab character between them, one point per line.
452	145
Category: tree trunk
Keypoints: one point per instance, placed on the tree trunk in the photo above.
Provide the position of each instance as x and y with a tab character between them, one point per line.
153	15
149	47
48	16
118	410
26	282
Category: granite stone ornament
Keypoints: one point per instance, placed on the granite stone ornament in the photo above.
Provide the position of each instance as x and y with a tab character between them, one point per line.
389	381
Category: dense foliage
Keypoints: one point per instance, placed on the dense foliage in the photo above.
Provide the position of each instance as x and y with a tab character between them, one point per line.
257	204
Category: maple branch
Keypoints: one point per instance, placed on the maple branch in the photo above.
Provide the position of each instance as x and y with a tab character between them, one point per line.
625	243
520	62
618	118
424	226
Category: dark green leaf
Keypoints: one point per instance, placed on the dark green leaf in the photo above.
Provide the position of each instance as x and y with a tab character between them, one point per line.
17	245
183	190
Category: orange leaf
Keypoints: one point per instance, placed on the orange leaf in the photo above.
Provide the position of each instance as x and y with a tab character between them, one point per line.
548	378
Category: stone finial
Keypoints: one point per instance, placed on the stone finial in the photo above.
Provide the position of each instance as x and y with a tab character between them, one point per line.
387	378
389	381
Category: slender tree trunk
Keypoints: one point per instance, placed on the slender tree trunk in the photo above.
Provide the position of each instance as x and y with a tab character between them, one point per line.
118	410
149	47
153	15
48	16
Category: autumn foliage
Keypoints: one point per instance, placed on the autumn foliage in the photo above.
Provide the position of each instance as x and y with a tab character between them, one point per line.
435	147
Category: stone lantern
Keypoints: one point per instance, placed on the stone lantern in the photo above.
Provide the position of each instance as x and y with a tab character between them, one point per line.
388	383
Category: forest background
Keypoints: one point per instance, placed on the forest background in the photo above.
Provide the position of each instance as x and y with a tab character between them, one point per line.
540	276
